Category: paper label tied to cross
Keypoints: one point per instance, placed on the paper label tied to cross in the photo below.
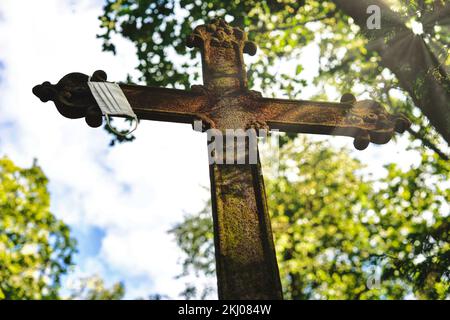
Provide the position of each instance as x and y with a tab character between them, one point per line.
112	101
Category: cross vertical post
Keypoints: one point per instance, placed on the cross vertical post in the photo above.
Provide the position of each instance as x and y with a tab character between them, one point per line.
246	263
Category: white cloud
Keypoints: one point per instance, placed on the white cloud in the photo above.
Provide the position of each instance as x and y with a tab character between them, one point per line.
134	192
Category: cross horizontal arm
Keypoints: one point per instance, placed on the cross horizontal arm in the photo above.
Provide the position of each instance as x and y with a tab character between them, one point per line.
73	99
164	104
366	120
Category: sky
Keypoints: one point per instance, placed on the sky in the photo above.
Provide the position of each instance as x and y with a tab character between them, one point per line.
121	201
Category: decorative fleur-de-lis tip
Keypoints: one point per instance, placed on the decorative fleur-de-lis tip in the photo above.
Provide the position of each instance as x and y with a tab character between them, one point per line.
72	97
373	114
218	33
45	91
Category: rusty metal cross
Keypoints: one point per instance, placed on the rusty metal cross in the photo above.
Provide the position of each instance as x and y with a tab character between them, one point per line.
245	256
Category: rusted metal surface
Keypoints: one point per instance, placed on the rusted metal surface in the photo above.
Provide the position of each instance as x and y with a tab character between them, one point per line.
222	48
245	255
73	99
246	264
366	120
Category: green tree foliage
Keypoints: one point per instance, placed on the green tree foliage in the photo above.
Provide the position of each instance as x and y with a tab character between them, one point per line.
339	235
36	248
195	237
351	57
413	209
93	288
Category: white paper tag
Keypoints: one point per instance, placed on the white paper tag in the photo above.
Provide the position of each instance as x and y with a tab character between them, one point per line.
112	102
110	99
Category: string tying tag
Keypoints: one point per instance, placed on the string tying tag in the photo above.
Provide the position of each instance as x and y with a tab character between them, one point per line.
112	102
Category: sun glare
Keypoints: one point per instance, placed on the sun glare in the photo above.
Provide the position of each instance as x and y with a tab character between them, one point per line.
416	27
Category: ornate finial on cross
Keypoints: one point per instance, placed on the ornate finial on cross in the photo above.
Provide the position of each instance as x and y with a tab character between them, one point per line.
222	48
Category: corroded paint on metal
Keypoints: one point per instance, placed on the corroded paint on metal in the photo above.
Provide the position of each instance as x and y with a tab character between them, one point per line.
232	107
366	120
245	255
222	48
73	99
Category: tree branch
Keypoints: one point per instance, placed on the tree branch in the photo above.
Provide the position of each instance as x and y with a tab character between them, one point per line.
428	143
288	27
418	134
409	58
